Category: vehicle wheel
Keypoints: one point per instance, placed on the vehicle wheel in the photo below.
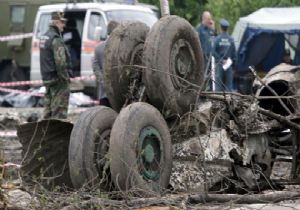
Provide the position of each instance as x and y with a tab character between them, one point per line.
88	147
174	62
124	48
140	150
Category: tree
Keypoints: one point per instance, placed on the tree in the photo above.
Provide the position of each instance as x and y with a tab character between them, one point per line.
232	10
188	9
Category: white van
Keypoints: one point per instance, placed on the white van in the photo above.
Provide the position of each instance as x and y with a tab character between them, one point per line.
86	26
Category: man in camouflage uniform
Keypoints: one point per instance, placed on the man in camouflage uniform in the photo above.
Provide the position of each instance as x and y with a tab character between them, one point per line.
54	61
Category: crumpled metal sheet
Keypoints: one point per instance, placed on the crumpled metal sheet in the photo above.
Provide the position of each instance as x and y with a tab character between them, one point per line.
213	146
200	162
197	176
284	79
194	122
45	151
252	121
282	71
255	151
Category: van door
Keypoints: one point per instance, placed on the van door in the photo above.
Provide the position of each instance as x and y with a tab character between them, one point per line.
72	36
40	27
94	19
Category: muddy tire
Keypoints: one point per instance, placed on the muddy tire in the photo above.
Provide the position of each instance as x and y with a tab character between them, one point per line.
140	150
173	60
124	48
88	147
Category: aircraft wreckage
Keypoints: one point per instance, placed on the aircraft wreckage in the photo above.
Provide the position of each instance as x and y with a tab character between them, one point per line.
163	133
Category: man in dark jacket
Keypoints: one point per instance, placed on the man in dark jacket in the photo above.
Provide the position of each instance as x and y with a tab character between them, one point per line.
225	55
54	60
98	67
207	33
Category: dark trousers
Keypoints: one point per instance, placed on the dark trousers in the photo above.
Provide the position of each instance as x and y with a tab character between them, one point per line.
224	79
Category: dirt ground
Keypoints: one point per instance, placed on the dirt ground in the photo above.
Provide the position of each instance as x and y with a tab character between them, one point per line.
11	152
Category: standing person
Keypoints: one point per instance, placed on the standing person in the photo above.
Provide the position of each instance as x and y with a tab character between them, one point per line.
97	66
206	32
55	61
225	55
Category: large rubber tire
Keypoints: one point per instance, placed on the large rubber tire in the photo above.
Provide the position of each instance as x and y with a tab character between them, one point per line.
140	150
88	147
173	59
124	48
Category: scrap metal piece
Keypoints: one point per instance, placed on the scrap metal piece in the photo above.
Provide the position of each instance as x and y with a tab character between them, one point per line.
201	162
256	160
283	80
45	152
198	176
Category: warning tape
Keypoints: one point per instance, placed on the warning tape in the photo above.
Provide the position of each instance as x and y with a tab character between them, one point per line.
21	83
14	37
8	165
88	77
9	90
39	82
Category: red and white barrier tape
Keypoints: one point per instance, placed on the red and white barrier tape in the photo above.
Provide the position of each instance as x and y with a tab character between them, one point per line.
8	90
39	82
9	164
21	83
14	37
88	77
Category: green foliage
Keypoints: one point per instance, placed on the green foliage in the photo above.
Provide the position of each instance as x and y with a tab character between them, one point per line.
188	9
232	10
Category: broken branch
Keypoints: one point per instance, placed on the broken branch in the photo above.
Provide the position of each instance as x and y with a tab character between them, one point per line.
243	199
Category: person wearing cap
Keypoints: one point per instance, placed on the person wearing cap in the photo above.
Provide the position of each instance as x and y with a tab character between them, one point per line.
98	68
55	61
225	54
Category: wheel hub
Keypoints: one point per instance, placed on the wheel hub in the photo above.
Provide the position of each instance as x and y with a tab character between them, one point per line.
182	63
101	149
149	153
135	74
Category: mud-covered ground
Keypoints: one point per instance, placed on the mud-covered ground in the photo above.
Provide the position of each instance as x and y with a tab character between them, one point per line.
11	153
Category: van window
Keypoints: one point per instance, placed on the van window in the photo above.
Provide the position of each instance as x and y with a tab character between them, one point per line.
17	14
129	15
96	20
43	24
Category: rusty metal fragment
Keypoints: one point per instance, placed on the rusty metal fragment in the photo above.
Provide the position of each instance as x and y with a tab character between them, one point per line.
45	152
200	162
